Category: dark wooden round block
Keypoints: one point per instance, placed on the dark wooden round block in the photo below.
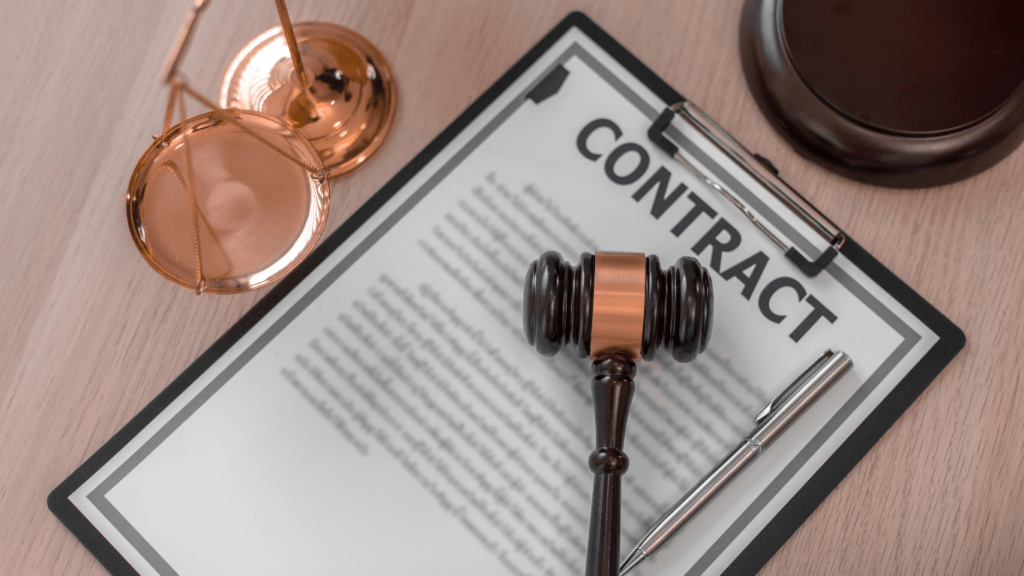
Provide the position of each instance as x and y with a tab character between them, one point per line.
902	93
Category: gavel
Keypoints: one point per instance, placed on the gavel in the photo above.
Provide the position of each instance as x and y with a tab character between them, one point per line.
615	308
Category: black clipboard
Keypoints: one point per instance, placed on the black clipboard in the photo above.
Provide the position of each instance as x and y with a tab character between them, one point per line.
950	338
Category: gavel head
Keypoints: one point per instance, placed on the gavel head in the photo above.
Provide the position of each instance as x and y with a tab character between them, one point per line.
617	302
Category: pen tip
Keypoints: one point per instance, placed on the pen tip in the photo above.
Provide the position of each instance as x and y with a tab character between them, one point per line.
635	558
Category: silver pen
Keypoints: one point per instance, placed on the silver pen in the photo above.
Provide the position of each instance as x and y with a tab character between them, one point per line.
821	374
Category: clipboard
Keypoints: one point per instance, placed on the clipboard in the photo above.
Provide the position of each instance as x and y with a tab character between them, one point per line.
813	245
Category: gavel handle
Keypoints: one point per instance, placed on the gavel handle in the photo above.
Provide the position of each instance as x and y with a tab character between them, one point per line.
613	392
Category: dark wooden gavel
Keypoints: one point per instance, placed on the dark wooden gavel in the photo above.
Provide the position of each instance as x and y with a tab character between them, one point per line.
616	308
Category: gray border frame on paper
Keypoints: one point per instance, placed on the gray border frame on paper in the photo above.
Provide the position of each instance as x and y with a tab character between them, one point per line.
98	496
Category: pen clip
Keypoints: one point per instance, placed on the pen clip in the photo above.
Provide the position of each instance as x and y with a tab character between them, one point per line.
785	394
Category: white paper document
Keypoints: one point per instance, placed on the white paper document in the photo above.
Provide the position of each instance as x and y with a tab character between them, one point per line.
388	416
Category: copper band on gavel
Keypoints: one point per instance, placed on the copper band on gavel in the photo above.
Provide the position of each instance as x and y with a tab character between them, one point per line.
619	291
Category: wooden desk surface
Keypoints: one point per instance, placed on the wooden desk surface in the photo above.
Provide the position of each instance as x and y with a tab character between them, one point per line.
90	333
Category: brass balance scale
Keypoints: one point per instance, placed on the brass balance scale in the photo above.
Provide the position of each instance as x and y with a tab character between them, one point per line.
233	199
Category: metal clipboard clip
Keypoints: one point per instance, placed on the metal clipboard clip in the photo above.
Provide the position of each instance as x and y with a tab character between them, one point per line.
762	170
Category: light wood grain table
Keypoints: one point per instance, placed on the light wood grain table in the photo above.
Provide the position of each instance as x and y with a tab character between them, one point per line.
90	333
